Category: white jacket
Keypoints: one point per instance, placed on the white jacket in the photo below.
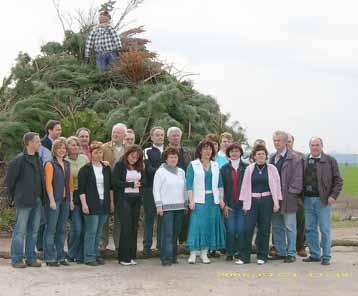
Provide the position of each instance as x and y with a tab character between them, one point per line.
199	181
169	189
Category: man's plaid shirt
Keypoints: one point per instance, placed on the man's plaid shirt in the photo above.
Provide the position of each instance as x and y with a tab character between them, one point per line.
102	39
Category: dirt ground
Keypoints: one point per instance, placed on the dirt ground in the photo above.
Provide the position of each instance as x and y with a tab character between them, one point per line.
218	278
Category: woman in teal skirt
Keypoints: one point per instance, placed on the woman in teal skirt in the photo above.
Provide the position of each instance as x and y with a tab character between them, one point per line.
205	194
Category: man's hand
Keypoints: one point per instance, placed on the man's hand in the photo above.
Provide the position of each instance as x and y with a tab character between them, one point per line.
331	201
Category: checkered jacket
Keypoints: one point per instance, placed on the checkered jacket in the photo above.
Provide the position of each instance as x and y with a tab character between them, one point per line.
102	39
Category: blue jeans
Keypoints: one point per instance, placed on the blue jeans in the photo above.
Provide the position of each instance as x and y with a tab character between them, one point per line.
234	230
26	229
93	231
171	223
54	235
260	214
318	214
105	59
76	235
284	231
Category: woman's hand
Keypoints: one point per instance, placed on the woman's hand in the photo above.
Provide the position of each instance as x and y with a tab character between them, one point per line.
226	211
276	208
222	204
160	211
112	207
192	205
53	205
72	205
137	184
85	209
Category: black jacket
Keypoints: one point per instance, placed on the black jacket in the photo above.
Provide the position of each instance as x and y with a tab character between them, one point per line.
185	157
21	180
87	185
119	182
226	176
46	142
153	158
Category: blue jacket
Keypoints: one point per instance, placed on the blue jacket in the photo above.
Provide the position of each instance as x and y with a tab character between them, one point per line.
226	176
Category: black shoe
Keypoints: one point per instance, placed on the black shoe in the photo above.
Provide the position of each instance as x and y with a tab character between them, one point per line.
79	262
213	254
19	265
33	264
64	263
147	254
310	259
92	263
326	262
71	260
289	259
100	261
229	258
53	264
277	257
166	263
223	251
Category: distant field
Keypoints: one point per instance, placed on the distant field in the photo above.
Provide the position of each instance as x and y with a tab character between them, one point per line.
350	175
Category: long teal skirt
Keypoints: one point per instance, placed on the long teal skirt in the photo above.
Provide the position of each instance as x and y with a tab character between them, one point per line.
206	226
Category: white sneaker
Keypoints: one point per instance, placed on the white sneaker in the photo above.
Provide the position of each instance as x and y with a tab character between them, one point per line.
239	262
192	257
125	263
133	262
204	256
260	262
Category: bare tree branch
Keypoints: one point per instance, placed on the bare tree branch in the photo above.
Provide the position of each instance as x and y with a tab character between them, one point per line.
56	4
132	5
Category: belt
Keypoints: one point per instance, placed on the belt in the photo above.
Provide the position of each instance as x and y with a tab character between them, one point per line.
260	195
208	191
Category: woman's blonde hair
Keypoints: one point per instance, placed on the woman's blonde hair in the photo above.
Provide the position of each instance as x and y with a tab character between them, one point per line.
56	145
73	139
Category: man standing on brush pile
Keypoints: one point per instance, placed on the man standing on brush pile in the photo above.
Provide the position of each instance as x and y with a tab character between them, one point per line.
105	42
26	186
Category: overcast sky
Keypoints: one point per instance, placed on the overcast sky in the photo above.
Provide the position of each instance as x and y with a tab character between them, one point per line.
278	64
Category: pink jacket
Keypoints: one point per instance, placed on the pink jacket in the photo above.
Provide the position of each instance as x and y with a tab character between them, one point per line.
274	184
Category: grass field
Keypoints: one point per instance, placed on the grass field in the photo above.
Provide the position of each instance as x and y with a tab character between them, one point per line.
350	176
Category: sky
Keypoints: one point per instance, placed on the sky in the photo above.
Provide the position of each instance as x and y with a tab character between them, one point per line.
273	65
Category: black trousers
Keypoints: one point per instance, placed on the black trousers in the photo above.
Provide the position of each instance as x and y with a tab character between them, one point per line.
300	220
184	228
129	210
260	214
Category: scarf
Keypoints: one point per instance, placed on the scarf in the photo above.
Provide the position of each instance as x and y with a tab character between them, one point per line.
170	168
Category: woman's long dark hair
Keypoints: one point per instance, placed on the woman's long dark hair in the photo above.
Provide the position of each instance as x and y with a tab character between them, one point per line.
139	165
203	144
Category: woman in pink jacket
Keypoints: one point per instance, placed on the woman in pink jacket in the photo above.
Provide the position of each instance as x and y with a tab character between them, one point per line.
260	195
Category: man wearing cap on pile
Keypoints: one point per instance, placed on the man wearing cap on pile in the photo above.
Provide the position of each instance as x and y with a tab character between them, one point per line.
105	42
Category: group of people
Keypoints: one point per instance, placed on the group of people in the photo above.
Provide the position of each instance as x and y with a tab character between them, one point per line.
211	201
